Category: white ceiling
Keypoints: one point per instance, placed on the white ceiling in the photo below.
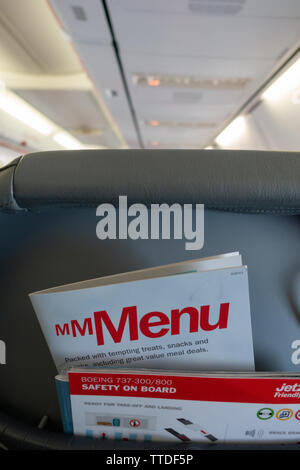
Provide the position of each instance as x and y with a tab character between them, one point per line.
30	40
96	98
39	62
170	38
213	39
179	32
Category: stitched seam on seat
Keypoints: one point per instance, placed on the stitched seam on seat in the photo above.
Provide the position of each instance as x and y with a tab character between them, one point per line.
275	210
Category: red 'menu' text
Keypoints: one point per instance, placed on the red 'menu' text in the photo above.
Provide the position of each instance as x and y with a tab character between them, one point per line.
198	320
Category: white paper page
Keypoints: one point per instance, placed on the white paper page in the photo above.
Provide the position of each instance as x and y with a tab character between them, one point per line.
71	328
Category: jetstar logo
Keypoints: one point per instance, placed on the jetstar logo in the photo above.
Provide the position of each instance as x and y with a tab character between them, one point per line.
151	325
288	390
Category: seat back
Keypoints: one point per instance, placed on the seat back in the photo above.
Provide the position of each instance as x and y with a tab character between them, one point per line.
48	238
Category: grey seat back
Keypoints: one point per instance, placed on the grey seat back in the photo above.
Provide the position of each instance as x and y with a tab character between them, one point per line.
48	237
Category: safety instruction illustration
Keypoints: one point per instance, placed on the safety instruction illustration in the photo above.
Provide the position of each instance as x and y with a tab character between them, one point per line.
213	408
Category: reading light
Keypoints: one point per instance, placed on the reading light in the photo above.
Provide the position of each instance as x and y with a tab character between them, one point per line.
67	141
19	109
285	83
154	123
231	132
154	82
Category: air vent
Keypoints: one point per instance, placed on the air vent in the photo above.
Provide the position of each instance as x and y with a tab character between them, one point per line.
190	82
216	7
179	124
79	13
182	97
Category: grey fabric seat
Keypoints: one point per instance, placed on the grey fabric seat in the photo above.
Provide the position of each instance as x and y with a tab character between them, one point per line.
48	237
